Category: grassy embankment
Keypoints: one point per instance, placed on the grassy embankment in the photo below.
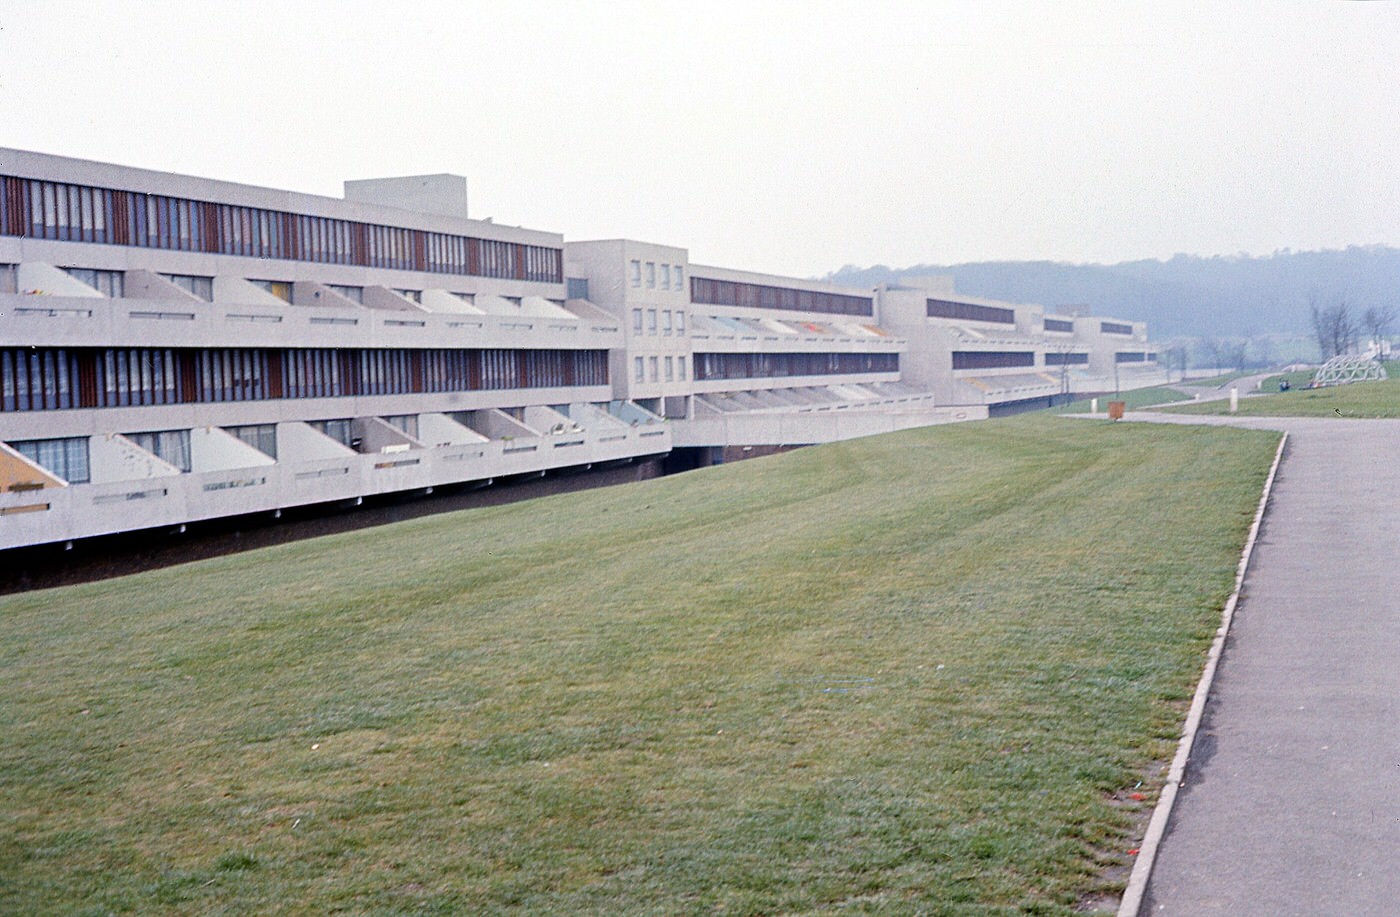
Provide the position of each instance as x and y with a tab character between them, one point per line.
1297	379
1136	399
916	673
1360	399
1217	381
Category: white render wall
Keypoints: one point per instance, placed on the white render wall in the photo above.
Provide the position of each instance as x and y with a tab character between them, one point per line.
143	492
561	427
612	286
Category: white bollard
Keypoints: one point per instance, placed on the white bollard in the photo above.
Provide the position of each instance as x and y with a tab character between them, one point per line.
1234	399
1093	405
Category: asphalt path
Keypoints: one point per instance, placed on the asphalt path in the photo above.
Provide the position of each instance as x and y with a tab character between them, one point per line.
1291	798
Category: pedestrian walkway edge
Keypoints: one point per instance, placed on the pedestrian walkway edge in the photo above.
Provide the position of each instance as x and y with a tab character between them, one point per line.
1131	902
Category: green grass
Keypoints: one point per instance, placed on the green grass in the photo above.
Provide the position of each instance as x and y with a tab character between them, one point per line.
917	673
1360	399
1134	400
1297	379
1218	381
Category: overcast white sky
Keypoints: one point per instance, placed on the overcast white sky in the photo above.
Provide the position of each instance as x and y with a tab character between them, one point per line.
782	137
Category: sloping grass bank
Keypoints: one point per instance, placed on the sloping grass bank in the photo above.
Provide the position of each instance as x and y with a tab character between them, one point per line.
918	673
1359	399
1133	400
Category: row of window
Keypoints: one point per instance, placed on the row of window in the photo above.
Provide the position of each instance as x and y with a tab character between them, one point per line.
1001	359
113	284
675	369
992	359
1065	359
78	213
55	378
666	273
70	457
966	311
767	365
759	296
671	322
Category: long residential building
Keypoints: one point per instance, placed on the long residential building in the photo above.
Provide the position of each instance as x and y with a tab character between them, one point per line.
176	349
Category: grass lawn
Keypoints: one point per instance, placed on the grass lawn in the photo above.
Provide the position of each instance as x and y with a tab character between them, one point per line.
1217	381
1134	400
1360	399
1297	379
918	673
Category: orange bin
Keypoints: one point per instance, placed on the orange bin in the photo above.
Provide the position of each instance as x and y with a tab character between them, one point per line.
1115	409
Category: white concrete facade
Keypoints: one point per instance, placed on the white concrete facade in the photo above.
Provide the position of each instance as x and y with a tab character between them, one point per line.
175	349
114	351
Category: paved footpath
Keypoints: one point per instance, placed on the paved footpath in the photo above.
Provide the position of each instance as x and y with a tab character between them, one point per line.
1291	802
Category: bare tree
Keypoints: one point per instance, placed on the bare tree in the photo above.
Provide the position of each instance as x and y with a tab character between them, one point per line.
1334	327
1263	350
1235	353
1376	322
1211	353
1173	359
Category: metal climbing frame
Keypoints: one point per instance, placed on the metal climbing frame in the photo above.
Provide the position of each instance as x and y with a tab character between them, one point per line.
1348	368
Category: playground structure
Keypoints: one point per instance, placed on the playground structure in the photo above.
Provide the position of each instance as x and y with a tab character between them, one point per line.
1345	369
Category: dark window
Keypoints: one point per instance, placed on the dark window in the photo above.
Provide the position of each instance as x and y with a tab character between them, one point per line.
966	311
992	359
38	379
55	210
778	365
41	379
1058	324
1065	359
232	375
1115	328
1129	357
134	376
753	295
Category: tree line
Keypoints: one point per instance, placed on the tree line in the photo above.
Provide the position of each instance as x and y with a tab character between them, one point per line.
1338	329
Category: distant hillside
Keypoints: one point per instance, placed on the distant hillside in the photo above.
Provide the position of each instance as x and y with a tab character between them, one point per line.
1187	295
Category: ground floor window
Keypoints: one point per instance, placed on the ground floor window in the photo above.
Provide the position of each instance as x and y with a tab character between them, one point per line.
67	458
172	446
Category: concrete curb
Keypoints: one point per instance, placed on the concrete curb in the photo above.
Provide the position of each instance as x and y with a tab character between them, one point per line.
1131	902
